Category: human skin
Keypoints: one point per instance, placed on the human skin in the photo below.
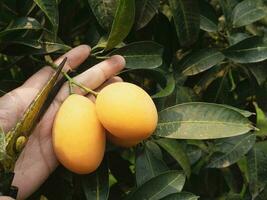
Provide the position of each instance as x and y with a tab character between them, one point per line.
37	160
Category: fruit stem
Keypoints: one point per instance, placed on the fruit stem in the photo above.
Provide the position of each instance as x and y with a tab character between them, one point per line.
71	80
102	57
70	88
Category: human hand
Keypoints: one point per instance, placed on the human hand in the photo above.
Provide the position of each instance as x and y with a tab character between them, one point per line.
37	159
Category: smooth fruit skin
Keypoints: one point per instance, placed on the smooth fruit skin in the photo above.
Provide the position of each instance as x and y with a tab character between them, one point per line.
78	136
126	111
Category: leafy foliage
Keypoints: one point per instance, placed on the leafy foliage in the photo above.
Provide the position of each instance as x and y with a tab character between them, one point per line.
149	163
247	12
177	152
159	186
203	63
230	150
96	185
187	20
124	15
201	121
144	54
249	50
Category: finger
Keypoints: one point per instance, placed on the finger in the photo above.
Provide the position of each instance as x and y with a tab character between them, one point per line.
98	74
75	57
108	82
94	77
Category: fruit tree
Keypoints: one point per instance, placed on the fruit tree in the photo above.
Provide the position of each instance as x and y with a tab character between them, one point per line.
189	121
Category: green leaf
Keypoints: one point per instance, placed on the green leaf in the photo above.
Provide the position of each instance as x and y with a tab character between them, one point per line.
3	144
208	78
35	47
149	162
159	186
181	196
184	95
144	54
186	19
145	11
104	11
165	83
24	23
175	149
254	158
180	95
199	144
229	150
50	9
234	38
30	116
167	90
231	179
257	162
245	113
200	61
248	11
259	71
96	185
253	49
193	152
208	18
122	24
261	121
198	120
227	7
243	167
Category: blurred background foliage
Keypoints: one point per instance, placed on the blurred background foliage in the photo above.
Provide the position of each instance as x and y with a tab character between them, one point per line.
180	51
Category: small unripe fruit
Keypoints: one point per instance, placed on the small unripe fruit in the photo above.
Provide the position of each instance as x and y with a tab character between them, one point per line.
78	136
126	111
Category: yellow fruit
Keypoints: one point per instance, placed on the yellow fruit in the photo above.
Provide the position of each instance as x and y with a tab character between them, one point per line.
78	136
121	142
126	111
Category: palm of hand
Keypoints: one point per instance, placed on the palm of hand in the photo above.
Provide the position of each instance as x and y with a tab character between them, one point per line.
38	160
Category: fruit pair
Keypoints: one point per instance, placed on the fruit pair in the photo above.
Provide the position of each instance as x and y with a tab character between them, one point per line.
125	110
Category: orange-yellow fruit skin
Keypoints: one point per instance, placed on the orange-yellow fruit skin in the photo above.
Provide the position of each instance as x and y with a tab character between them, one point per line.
126	111
78	136
121	142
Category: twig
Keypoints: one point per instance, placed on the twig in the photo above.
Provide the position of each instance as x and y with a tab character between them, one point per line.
71	80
